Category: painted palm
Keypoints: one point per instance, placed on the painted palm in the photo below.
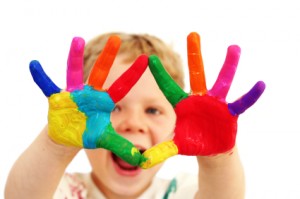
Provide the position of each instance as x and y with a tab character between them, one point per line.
206	124
80	115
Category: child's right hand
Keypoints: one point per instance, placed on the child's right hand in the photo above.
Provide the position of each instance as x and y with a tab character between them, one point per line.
80	115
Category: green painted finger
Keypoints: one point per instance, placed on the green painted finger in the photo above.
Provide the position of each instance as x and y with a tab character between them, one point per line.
119	146
167	85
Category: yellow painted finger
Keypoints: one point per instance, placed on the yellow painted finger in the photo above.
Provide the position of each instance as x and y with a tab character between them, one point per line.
158	154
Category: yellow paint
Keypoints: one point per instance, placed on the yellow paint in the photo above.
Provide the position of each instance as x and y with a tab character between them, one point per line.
158	154
66	122
134	150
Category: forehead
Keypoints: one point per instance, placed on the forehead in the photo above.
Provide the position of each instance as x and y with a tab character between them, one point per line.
145	86
120	65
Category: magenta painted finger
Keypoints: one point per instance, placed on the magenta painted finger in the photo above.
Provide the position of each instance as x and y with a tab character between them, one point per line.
247	100
127	80
75	65
224	80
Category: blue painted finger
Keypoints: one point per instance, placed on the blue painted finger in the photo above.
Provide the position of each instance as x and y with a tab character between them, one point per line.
42	80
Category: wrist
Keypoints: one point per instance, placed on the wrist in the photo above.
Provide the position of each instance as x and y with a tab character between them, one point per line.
58	149
218	160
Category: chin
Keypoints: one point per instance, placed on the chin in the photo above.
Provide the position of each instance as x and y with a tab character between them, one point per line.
129	180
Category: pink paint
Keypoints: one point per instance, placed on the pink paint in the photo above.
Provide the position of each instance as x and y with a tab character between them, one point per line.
75	65
224	80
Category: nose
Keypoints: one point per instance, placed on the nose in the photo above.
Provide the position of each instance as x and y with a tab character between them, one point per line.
132	122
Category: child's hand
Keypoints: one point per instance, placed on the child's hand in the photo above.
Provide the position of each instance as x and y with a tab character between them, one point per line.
206	124
80	115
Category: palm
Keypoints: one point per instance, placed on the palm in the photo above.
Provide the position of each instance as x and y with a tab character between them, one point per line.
206	124
71	112
80	115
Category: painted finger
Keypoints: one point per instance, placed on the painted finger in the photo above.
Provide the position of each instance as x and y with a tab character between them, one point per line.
167	85
224	80
158	154
104	62
42	80
75	65
242	104
195	62
127	80
120	146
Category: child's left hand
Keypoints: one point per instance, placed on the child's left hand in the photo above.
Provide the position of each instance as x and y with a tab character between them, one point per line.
206	124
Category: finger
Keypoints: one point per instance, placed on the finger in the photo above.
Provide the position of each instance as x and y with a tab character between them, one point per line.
195	62
119	146
104	62
158	154
127	80
224	80
75	65
42	80
242	104
167	85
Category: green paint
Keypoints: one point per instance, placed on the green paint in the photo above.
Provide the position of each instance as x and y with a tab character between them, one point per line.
167	85
120	146
172	188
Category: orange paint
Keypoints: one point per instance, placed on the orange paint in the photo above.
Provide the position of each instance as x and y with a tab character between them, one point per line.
104	62
195	62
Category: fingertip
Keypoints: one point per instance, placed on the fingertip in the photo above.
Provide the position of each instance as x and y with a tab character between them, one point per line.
35	67
153	57
78	44
235	49
193	36
193	43
34	64
114	40
153	60
233	55
261	85
143	59
259	88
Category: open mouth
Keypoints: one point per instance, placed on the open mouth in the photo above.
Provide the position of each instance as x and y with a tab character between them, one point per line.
125	168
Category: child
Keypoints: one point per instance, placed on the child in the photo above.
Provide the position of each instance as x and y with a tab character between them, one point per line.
145	118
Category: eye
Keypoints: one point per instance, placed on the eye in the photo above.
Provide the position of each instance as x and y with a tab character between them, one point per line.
116	109
153	111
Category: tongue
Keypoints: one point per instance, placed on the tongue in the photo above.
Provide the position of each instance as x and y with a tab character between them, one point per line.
123	164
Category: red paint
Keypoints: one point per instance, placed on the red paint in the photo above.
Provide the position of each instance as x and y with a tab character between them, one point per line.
204	126
127	80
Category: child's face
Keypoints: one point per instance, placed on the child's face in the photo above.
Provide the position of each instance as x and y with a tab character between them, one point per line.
145	118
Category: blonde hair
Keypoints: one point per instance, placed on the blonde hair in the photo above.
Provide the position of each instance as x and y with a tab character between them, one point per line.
135	45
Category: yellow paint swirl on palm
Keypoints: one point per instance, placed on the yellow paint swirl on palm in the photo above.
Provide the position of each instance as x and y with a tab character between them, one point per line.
66	122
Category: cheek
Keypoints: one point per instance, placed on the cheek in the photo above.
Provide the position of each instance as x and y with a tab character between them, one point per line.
97	157
115	119
163	129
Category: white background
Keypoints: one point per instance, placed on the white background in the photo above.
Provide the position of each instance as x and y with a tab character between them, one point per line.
267	32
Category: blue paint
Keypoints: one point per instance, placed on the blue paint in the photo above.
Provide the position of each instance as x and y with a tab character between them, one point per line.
42	80
97	106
